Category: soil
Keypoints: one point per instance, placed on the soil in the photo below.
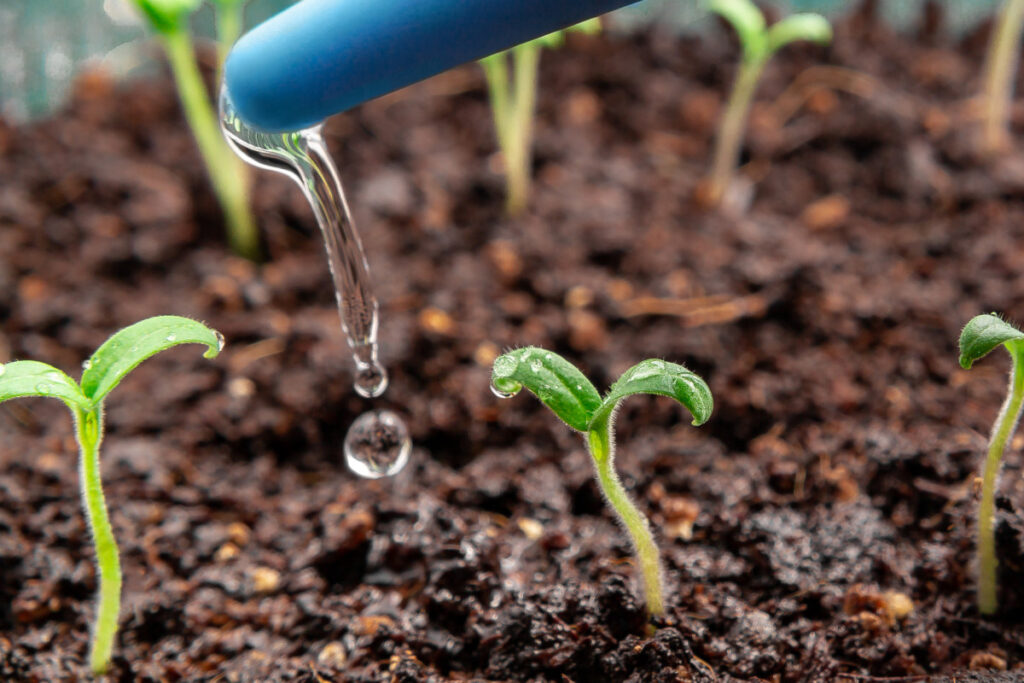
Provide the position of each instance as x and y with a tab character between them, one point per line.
818	528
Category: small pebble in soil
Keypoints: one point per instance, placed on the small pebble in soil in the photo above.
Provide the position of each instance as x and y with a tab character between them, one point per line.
377	445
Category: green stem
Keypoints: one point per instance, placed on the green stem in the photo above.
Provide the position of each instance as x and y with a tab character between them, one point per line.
999	72
496	74
601	441
89	431
519	151
1003	429
226	171
229	27
730	135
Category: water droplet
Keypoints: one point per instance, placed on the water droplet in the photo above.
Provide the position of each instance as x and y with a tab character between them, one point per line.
579	387
535	365
54	376
43	388
171	337
2	369
377	445
501	394
505	366
220	341
86	364
547	356
371	380
658	364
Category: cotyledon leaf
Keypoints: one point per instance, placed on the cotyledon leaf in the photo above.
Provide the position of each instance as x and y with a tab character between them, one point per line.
23	378
120	354
984	333
748	22
554	380
167	15
662	378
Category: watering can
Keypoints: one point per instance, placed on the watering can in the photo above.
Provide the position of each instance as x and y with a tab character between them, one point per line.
321	57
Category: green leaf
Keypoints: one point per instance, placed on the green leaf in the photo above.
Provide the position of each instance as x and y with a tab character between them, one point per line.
31	378
806	26
167	16
661	378
120	354
555	381
984	333
748	22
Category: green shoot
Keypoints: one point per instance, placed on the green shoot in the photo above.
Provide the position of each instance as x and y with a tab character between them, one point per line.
169	18
570	395
759	43
980	336
513	103
118	356
1000	66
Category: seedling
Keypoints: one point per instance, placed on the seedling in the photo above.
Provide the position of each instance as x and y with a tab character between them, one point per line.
169	18
1000	67
980	336
570	395
759	43
513	103
118	356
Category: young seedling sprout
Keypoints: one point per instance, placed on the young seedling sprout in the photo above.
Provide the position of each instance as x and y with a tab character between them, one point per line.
759	43
1000	67
980	336
169	18
118	356
513	102
570	395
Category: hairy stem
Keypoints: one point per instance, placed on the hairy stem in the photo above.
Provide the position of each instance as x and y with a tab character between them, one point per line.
1000	67
601	441
1003	429
89	431
730	135
227	174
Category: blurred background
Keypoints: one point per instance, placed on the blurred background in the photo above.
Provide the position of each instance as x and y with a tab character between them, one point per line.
44	44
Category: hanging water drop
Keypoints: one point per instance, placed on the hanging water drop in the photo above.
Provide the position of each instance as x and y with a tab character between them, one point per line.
501	394
377	445
220	341
371	379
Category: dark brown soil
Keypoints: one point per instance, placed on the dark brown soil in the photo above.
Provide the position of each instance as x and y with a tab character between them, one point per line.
834	482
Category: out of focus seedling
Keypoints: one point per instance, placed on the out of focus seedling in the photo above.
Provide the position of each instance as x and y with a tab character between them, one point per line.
980	336
169	18
118	356
513	100
1000	66
759	43
570	395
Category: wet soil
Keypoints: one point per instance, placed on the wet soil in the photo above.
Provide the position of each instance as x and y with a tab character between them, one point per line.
818	528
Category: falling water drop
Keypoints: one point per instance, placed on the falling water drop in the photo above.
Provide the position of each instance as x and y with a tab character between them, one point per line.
371	379
377	445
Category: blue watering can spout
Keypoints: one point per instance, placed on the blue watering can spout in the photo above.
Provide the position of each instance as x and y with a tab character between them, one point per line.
321	57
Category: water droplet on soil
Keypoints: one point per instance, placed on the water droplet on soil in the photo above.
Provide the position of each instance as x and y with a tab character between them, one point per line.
371	380
377	445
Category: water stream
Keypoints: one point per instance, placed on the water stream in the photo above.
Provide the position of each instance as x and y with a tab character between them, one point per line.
377	443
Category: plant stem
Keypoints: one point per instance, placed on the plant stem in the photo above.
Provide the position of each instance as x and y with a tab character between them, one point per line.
730	135
226	172
601	441
229	27
1000	66
519	154
1003	429
496	74
89	431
